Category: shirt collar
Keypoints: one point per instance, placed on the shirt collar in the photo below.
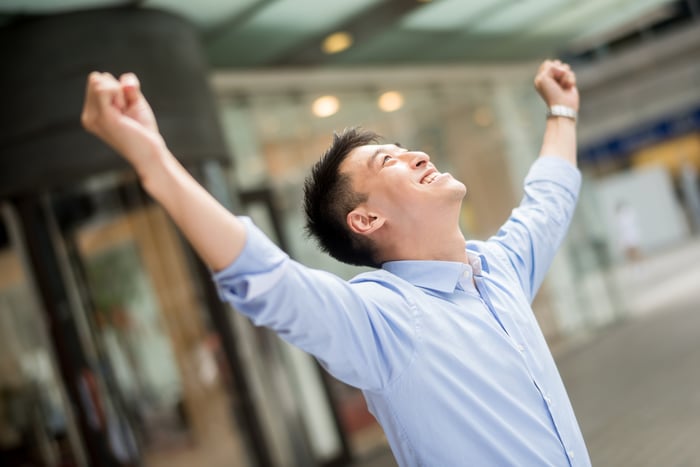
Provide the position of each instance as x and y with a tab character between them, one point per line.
442	276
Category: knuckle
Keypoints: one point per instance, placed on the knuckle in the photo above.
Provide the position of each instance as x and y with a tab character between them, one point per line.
87	120
90	120
103	86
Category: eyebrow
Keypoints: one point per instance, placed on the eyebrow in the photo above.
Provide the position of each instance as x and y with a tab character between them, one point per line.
370	161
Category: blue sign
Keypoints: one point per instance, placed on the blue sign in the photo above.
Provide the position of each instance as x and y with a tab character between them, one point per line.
626	142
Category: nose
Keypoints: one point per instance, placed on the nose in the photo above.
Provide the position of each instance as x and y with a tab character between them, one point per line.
416	159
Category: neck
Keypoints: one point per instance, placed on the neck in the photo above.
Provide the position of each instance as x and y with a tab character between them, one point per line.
426	244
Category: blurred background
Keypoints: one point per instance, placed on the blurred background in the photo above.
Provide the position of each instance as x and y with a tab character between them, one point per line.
114	347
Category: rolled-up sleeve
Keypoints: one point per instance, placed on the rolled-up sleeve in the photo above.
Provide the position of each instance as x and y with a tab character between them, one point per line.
343	325
534	231
255	271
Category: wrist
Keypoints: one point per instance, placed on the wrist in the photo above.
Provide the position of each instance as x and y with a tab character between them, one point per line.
153	164
562	111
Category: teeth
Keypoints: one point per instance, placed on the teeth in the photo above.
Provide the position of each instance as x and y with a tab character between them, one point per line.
429	179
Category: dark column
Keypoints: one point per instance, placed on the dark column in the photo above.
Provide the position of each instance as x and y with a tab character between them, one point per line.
46	60
72	363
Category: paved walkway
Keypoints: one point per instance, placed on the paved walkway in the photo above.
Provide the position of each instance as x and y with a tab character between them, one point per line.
636	389
635	385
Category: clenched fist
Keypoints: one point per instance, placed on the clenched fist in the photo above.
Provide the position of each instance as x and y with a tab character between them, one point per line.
556	83
117	112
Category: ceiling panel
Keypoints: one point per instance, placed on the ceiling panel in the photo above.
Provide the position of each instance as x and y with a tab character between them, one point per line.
204	13
392	46
629	11
310	16
577	18
277	27
251	47
449	15
519	15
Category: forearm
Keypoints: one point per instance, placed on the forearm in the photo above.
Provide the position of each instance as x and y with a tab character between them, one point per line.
216	234
560	139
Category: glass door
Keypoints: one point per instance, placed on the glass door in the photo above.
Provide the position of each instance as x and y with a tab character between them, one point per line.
36	424
166	396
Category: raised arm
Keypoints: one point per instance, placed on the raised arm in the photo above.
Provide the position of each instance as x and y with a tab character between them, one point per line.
117	112
556	84
534	231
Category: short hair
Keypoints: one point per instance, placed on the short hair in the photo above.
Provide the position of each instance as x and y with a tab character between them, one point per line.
329	197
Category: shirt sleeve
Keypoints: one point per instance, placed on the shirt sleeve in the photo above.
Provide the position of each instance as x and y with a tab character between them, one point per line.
534	231
350	328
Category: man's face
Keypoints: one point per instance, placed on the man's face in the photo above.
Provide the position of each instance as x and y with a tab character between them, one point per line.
403	186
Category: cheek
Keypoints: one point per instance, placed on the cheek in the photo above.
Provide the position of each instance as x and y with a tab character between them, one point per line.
391	199
410	203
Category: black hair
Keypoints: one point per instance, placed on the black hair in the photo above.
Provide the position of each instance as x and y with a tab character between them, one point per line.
329	197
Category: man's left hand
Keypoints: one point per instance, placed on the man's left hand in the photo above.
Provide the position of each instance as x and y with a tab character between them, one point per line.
556	83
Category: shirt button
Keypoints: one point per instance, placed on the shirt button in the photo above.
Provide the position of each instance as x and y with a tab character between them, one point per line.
548	400
570	453
521	348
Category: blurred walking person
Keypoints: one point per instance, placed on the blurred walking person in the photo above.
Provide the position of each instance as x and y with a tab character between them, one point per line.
628	232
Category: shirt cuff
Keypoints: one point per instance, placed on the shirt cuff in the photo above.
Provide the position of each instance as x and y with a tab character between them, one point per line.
256	270
555	170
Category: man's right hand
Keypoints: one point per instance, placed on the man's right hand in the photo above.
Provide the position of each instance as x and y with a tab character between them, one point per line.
117	112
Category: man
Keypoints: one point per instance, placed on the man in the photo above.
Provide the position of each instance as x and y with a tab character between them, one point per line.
441	339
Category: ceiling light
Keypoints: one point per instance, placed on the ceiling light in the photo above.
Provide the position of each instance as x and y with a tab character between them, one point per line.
336	42
483	117
390	101
325	106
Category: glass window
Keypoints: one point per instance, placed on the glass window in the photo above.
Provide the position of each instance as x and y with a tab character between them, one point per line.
36	426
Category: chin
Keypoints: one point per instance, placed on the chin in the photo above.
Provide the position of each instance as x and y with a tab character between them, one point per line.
460	189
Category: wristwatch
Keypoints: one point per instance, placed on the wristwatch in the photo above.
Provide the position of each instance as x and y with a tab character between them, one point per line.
561	111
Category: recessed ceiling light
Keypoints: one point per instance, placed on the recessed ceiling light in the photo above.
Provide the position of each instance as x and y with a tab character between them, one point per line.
483	116
336	42
390	101
325	106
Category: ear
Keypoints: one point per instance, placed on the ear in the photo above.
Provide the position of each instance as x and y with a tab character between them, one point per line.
364	222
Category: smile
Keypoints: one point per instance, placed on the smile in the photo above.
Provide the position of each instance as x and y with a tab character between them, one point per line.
429	178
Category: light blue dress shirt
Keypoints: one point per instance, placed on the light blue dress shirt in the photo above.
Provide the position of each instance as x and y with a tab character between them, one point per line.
456	375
